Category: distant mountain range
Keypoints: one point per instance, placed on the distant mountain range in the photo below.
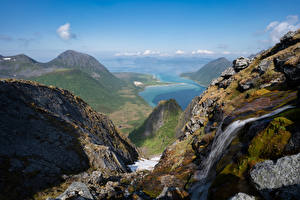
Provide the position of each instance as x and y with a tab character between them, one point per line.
174	65
208	72
85	77
22	66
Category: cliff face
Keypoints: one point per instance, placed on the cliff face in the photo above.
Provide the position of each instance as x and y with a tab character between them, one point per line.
158	130
249	89
47	132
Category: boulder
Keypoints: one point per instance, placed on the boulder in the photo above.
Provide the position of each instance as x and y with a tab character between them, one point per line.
170	193
280	179
225	83
243	86
263	66
289	35
290	67
241	63
76	191
228	73
242	196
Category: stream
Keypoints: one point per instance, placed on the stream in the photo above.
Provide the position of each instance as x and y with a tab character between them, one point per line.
220	144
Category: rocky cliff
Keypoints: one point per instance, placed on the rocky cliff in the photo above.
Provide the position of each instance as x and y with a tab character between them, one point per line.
233	138
158	130
48	134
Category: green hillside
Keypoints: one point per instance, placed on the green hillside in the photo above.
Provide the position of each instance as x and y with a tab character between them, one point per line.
125	107
158	130
209	71
81	84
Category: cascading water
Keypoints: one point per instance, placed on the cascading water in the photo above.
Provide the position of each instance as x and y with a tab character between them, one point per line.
220	144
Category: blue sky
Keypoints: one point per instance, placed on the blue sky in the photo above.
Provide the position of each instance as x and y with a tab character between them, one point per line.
111	28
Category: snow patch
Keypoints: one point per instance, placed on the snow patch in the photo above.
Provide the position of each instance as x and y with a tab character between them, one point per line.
144	164
138	83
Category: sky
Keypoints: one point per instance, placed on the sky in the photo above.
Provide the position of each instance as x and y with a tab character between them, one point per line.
124	28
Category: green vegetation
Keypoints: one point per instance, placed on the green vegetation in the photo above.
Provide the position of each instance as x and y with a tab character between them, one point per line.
209	71
124	107
146	79
81	84
160	136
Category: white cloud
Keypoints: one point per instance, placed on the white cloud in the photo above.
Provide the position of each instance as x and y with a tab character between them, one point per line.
129	54
277	29
179	52
64	32
139	53
203	51
272	25
150	52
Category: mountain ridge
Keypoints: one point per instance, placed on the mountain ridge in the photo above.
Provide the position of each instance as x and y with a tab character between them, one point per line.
208	72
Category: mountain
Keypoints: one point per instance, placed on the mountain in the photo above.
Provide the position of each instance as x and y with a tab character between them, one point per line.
19	66
158	129
161	64
83	75
88	64
240	138
208	72
48	133
85	86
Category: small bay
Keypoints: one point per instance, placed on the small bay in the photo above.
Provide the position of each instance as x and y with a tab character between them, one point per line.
181	89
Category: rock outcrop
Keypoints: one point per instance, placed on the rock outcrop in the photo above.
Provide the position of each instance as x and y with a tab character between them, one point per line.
242	196
280	179
241	63
47	132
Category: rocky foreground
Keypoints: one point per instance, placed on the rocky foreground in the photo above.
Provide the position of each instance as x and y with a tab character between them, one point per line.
48	135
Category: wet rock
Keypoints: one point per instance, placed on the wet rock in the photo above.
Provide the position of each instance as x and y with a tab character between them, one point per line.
76	191
241	63
278	178
228	73
242	196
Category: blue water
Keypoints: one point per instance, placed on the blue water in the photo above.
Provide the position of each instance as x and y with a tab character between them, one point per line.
182	90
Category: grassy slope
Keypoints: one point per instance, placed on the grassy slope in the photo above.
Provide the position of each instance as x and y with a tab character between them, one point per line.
125	107
158	141
209	71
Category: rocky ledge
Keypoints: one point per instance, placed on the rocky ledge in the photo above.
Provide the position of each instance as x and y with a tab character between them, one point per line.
48	134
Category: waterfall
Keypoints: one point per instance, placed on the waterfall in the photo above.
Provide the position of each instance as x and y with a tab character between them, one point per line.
220	144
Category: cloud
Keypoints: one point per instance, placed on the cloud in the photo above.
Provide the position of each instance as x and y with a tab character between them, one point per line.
149	52
138	53
203	51
179	52
129	54
64	32
277	29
